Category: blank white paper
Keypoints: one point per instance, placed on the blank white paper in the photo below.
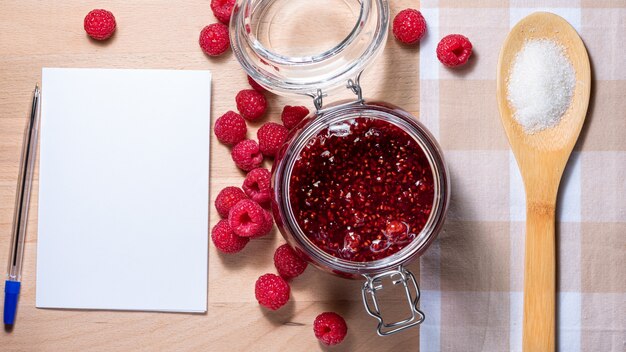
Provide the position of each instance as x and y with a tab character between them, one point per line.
124	190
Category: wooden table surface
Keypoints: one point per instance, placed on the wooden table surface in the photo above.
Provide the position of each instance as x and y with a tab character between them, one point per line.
164	34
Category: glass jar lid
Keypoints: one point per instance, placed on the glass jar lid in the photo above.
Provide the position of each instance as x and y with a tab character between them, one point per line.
305	47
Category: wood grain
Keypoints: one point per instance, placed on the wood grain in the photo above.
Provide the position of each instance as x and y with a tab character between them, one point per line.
541	158
163	34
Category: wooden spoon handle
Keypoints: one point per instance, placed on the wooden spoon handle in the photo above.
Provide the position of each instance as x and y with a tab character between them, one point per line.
539	279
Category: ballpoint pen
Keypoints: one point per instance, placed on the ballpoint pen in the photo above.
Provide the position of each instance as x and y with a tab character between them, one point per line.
20	217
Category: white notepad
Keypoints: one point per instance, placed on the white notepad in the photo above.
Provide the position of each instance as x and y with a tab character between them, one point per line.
124	190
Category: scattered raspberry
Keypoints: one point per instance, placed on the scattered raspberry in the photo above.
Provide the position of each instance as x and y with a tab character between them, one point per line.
269	219
288	263
409	26
246	155
267	227
214	39
454	50
257	185
259	88
225	239
99	24
272	291
230	128
330	328
251	104
248	219
271	137
292	115
222	9
228	197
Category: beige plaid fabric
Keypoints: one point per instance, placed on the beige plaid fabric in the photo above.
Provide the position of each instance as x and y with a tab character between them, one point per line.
473	277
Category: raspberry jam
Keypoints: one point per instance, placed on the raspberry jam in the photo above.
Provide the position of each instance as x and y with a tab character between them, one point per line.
362	189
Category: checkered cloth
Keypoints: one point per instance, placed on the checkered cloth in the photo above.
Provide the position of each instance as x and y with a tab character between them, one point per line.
472	278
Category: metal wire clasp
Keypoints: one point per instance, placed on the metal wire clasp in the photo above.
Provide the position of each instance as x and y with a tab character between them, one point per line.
353	85
318	99
408	282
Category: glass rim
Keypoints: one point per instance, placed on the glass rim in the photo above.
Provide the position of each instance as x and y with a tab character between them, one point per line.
242	42
308	59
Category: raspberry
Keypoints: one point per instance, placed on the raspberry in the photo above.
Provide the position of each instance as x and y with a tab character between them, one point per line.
225	239
259	88
267	226
330	328
269	219
222	9
251	104
99	24
292	115
409	26
230	128
454	50
246	155
248	219
228	197
257	185
214	39
288	263
271	137
271	291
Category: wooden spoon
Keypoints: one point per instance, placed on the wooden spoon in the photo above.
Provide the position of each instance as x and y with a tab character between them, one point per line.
541	158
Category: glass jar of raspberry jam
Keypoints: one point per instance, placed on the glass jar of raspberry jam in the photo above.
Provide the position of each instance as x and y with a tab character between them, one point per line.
360	187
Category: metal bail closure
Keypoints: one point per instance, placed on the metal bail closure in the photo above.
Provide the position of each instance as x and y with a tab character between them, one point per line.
352	85
374	284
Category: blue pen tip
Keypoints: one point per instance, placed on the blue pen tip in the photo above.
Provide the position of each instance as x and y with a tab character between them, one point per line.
11	293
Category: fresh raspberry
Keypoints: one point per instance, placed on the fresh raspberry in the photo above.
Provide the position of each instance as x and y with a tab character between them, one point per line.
330	328
99	24
409	26
288	263
246	155
276	216
267	226
269	219
272	291
214	39
251	104
292	115
271	137
257	185
259	88
454	50
225	239
248	219
230	128
222	9
228	197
